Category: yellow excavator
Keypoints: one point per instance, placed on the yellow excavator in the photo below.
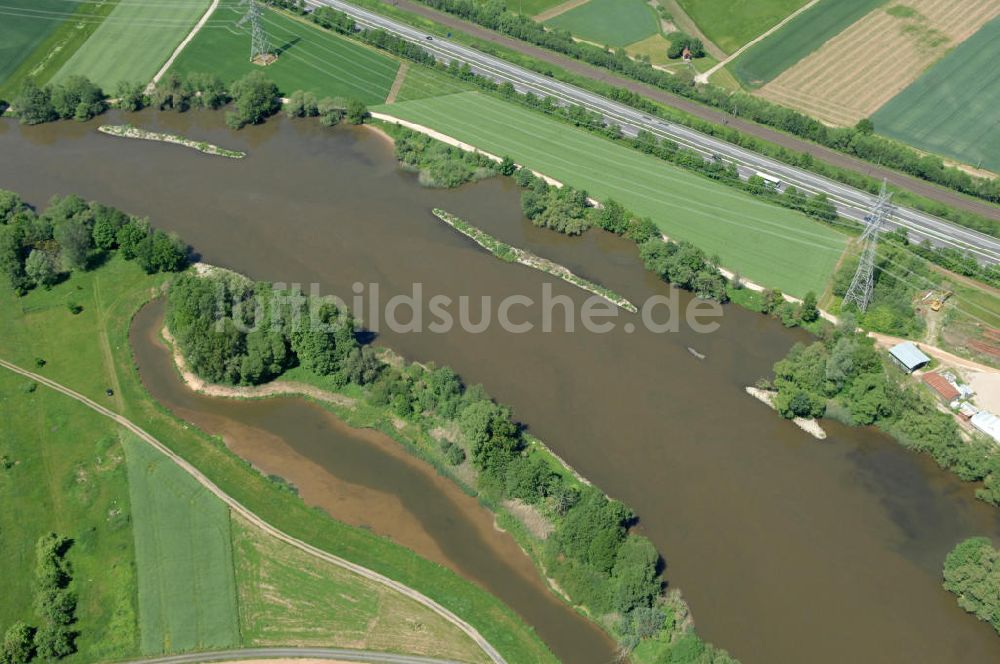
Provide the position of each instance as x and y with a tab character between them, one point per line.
937	302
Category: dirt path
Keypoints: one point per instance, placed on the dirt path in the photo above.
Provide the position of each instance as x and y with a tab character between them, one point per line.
180	47
687	24
839	159
887	341
105	343
703	78
552	12
397	84
244	512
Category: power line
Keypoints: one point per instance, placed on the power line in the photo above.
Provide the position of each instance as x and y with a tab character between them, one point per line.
860	291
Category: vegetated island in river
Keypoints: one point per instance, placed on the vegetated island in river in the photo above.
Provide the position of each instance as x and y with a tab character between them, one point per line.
506	252
128	131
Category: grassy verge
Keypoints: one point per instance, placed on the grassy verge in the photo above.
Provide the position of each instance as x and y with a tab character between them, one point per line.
187	592
134	41
90	351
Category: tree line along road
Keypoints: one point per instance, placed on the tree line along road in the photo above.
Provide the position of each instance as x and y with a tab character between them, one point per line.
851	203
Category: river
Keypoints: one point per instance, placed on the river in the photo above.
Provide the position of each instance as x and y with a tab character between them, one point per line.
788	549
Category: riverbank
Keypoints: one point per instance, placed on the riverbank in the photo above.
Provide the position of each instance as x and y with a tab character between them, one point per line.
128	131
807	424
507	253
534	496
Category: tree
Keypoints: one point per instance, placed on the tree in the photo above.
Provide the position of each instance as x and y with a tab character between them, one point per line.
507	167
809	312
493	438
330	111
302	104
34	104
131	235
75	240
78	97
972	572
18	644
865	126
131	96
107	222
161	252
41	268
254	98
357	112
10	204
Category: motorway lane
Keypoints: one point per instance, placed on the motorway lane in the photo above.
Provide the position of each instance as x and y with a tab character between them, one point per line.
851	203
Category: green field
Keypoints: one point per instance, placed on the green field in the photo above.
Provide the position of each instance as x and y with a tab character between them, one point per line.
310	58
288	597
187	589
768	244
733	23
798	38
953	109
66	475
609	22
532	7
38	36
134	41
25	25
423	82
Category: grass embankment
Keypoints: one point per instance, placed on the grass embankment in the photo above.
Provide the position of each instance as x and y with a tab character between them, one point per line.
766	244
609	22
128	131
290	598
134	41
954	108
732	23
309	57
90	352
506	252
187	590
62	470
37	37
798	38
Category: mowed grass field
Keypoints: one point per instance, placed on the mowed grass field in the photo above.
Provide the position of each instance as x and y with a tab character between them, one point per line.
768	244
954	108
38	36
609	22
836	86
183	551
134	41
798	38
310	58
290	598
62	470
733	23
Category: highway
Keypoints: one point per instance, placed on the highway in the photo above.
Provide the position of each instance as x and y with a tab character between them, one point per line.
851	203
338	654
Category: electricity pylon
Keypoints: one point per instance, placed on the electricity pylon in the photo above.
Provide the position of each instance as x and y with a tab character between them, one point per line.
860	291
260	48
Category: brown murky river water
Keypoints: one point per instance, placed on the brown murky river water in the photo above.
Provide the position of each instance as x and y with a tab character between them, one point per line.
789	550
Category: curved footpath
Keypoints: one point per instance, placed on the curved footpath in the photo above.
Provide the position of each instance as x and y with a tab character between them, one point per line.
299	654
238	508
839	159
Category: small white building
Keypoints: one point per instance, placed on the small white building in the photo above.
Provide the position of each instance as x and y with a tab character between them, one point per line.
988	423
